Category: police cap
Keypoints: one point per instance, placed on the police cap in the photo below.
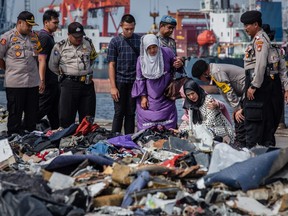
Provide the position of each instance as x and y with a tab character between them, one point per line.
27	17
169	20
76	29
250	17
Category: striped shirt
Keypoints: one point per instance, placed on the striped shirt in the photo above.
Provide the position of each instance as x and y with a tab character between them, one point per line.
120	52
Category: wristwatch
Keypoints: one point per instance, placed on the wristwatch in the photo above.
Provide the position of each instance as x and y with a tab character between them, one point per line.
252	87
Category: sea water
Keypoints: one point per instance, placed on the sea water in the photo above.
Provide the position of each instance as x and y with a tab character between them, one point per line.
105	107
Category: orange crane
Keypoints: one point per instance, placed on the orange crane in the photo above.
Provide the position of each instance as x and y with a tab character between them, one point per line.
186	13
90	5
85	6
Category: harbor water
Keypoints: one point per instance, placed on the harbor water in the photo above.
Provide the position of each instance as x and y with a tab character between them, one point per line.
105	108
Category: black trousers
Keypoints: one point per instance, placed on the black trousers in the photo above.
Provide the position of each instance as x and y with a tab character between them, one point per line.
19	101
124	110
240	132
76	97
49	105
261	129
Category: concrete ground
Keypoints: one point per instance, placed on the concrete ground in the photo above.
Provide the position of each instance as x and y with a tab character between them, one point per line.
282	138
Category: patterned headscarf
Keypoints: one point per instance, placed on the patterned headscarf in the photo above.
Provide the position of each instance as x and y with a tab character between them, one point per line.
191	85
152	66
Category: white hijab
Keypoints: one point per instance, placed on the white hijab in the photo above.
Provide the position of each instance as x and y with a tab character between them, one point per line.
152	66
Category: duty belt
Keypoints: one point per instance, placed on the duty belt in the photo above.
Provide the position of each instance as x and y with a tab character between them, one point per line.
272	74
76	78
270	70
86	79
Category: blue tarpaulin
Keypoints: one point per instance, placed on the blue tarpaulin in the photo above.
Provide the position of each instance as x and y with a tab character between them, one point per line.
251	173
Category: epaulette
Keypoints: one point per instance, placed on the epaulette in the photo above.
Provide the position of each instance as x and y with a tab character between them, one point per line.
171	38
88	39
257	37
267	40
34	33
61	43
276	46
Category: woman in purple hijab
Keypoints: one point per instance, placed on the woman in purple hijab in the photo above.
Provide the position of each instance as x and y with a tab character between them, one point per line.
153	75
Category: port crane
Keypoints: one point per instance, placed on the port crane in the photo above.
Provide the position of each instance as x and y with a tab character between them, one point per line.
83	7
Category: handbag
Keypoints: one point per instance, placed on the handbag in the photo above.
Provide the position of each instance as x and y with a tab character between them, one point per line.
172	91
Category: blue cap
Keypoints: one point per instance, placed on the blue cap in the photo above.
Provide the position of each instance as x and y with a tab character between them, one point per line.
169	20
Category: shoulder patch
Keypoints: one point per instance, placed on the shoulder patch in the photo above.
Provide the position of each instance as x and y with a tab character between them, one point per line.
88	39
259	42
62	42
36	33
3	41
259	47
56	53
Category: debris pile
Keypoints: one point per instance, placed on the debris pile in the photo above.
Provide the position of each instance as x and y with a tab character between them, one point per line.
87	170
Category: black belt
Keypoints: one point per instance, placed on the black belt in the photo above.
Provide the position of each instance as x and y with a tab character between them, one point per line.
76	78
268	73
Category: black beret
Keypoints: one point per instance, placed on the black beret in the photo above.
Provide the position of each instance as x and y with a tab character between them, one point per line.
199	67
250	17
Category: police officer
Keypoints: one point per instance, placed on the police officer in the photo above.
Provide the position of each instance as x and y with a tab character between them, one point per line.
230	80
278	53
264	97
20	47
166	29
71	59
